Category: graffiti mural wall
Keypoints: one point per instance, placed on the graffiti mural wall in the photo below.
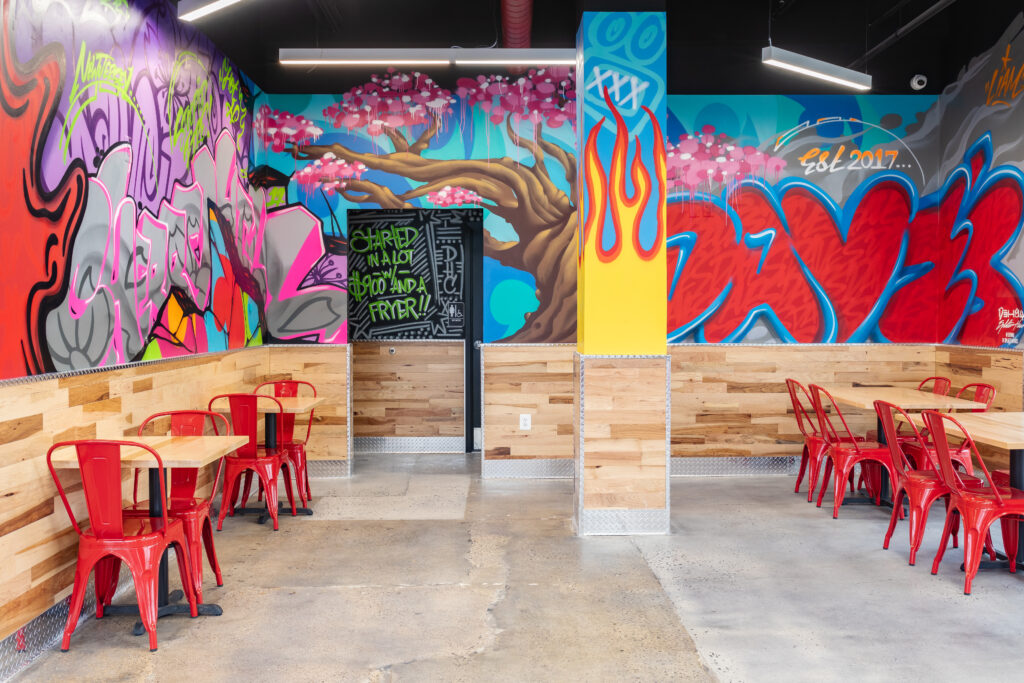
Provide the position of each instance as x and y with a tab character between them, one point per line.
403	140
130	229
850	218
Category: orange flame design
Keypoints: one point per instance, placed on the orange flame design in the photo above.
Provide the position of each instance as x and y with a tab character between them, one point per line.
627	211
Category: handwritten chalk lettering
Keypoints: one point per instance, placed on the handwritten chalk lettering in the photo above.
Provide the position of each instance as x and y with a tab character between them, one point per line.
366	284
400	309
362	240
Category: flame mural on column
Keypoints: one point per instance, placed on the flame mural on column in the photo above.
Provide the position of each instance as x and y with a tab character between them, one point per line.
621	261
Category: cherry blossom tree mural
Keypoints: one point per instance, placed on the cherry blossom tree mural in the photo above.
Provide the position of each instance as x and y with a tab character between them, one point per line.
403	115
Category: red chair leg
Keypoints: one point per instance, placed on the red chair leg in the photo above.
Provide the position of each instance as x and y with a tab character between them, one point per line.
1010	540
897	502
286	468
211	552
145	579
106	574
246	487
840	491
824	480
269	480
227	498
803	467
82	571
193	537
951	514
188	583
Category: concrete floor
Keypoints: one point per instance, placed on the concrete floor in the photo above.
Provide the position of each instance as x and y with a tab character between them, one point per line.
416	569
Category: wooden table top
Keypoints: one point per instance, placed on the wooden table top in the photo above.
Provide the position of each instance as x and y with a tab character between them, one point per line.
175	451
1002	430
290	404
904	397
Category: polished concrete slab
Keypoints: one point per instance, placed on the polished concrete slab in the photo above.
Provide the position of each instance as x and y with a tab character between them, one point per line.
415	569
773	589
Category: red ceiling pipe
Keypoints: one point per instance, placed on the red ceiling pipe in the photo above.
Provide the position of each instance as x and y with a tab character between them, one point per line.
516	20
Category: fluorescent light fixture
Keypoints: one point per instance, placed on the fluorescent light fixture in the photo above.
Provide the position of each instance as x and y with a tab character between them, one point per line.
190	10
815	68
424	56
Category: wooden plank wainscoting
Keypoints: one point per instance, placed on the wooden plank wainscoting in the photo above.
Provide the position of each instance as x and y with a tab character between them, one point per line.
38	547
415	391
1002	368
326	368
624	413
732	400
535	379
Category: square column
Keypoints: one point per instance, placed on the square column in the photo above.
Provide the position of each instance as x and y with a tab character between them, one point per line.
621	369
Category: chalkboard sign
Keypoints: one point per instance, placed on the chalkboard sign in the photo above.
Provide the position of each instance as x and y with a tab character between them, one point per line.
405	272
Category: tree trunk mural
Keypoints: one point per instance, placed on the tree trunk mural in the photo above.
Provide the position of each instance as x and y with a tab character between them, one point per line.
543	215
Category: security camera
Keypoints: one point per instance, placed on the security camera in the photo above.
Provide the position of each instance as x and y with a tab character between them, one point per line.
918	81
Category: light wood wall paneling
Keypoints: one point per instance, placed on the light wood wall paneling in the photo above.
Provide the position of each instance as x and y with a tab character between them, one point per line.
37	544
624	413
418	390
326	367
1003	369
532	379
732	400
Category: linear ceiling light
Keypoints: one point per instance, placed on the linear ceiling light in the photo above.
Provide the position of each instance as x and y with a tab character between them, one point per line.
190	10
424	56
815	68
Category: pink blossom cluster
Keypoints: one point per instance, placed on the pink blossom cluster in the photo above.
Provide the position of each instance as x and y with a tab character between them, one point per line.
330	173
699	159
541	95
278	128
453	196
395	99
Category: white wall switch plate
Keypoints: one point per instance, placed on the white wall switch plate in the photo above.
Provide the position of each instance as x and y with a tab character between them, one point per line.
525	420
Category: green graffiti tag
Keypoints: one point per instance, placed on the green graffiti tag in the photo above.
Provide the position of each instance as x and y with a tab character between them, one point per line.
96	73
276	197
189	121
396	293
234	108
119	8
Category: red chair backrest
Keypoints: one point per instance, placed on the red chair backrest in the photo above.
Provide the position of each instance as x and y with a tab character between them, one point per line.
825	425
99	462
803	419
186	423
887	416
937	423
940	386
245	418
983	393
286	421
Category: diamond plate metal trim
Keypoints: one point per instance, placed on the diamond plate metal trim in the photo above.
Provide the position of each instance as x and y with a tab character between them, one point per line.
540	468
599	522
409	444
735	466
329	469
20	649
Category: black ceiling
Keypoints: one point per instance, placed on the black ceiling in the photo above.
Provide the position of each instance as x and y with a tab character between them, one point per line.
714	45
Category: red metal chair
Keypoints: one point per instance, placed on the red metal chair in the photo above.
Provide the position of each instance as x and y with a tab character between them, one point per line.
182	504
920	484
245	422
977	506
940	386
983	393
814	443
844	452
139	542
295	450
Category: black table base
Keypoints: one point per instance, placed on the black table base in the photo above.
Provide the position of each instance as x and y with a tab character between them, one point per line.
283	509
172	607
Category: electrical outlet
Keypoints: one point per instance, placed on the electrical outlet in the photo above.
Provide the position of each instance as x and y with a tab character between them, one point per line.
525	421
